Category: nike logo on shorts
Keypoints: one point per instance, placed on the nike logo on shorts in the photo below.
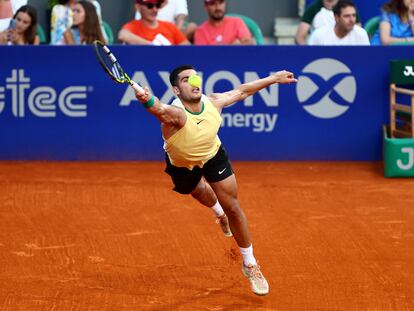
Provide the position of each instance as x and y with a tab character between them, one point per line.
221	172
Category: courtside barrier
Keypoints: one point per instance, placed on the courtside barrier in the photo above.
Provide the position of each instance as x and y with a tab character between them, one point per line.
57	104
398	156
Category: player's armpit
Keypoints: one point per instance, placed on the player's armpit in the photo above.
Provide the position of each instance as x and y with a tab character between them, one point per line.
168	114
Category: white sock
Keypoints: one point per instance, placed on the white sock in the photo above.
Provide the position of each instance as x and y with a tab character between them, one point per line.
217	209
247	254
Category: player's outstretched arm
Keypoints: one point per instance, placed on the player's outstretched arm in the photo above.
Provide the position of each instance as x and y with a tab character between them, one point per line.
166	114
247	89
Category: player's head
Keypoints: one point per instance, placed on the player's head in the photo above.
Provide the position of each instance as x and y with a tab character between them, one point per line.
345	15
174	74
182	89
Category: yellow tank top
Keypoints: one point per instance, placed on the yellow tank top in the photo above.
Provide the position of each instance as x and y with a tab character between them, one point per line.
196	142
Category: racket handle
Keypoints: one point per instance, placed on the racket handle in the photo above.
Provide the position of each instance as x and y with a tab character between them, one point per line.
137	88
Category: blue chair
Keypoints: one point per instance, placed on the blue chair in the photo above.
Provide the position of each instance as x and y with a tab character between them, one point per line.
252	26
41	34
372	25
109	32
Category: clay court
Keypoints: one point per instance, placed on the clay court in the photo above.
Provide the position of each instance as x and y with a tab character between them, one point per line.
113	236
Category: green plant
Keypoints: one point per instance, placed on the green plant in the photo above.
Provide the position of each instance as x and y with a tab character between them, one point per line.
51	3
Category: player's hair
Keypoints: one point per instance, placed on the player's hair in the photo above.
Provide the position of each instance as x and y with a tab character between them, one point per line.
342	4
174	74
30	33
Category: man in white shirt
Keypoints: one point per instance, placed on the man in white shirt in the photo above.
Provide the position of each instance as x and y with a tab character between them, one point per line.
344	32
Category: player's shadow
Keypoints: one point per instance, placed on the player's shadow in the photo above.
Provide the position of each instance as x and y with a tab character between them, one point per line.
223	299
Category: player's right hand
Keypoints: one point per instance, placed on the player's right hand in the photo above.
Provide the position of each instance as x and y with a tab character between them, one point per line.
143	97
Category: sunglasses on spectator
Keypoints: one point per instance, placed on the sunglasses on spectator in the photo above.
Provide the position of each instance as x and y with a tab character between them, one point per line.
150	6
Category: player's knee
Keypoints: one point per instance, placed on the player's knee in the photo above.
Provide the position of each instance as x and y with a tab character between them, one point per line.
232	207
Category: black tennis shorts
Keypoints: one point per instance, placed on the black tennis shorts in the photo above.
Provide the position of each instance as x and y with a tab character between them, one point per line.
214	170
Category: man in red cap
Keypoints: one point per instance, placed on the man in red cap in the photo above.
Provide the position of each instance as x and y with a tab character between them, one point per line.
176	12
220	29
149	30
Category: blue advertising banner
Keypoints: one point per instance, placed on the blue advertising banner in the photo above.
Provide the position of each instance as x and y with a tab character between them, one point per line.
56	103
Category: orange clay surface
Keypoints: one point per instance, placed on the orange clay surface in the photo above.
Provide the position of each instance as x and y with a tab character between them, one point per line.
113	236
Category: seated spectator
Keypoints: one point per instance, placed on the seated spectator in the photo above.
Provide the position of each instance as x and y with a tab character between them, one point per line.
318	14
175	11
149	30
344	32
61	20
325	15
25	30
220	29
86	27
99	12
7	10
397	23
307	23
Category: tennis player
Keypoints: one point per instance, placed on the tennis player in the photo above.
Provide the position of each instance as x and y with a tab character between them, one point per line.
196	159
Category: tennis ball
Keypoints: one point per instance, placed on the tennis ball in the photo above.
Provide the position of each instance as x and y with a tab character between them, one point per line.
194	80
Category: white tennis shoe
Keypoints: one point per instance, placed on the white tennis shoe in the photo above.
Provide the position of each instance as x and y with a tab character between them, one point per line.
257	281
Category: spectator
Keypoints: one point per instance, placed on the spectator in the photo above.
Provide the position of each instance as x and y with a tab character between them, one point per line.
99	12
61	20
7	9
25	31
307	21
220	29
318	14
397	23
344	32
325	15
150	30
175	11
86	27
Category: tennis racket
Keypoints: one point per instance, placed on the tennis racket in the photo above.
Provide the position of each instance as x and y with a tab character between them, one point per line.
112	67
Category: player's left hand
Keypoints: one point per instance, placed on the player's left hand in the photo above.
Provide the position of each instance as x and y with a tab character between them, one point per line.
284	77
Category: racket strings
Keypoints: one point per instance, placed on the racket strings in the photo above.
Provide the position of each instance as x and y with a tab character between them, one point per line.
117	71
111	63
